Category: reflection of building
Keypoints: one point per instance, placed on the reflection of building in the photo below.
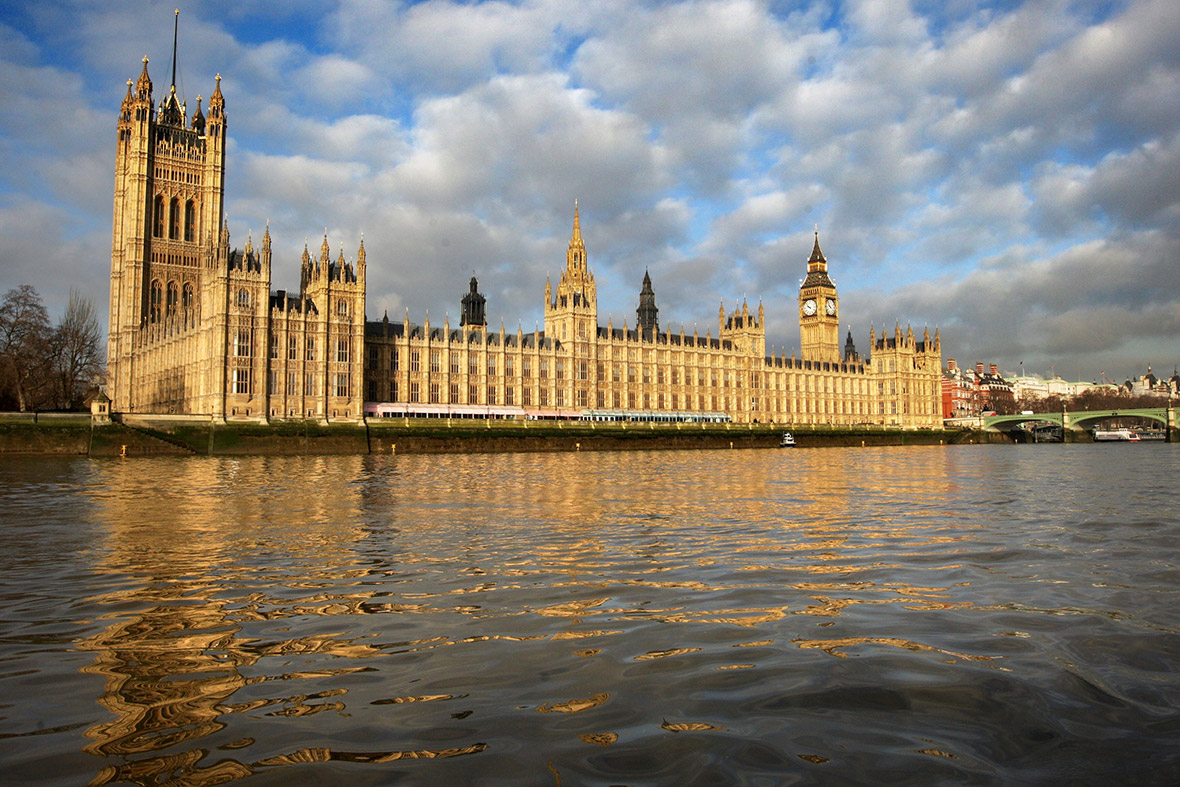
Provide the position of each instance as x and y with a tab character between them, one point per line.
194	326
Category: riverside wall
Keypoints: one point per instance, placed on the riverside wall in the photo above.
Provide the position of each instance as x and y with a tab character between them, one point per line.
188	435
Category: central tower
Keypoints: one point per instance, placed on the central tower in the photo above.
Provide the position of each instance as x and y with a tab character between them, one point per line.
819	311
572	314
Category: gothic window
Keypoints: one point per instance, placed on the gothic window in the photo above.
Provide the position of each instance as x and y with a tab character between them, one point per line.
342	384
491	366
310	349
508	366
454	393
241	381
414	392
415	364
190	221
292	383
242	343
454	363
472	364
173	298
509	396
393	364
158	230
156	296
435	393
274	347
309	384
342	307
435	360
292	348
373	357
559	370
544	369
174	219
342	349
243	297
186	297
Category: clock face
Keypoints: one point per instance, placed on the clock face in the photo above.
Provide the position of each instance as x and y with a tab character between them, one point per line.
830	306
809	306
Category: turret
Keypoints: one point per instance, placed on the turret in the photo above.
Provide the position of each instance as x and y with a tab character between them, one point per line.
647	315
474	308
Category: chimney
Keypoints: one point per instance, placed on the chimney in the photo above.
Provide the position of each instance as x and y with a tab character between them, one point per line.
995	369
951	365
979	367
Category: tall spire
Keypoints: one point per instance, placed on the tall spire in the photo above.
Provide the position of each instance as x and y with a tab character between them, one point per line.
175	30
576	237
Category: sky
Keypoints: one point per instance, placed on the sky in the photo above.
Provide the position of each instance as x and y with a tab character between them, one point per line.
1006	173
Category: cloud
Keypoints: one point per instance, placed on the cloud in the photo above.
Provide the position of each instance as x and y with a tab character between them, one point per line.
1003	171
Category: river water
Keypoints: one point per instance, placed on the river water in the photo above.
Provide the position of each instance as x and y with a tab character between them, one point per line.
975	614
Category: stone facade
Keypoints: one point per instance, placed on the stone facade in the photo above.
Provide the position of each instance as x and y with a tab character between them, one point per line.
195	327
577	367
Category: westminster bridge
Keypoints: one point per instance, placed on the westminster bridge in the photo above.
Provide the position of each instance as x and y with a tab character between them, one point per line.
1074	423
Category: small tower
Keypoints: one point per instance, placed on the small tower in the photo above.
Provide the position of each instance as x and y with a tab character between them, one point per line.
647	318
850	354
474	316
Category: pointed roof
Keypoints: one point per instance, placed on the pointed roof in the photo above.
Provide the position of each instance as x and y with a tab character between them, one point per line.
817	256
817	267
576	236
143	85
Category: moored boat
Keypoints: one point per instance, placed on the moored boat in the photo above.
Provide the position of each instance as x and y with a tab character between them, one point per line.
1115	435
788	441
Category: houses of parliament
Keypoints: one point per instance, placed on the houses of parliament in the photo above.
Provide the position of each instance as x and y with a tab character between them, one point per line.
196	328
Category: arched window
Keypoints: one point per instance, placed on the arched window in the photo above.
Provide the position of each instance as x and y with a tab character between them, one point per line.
159	211
190	221
342	307
174	219
156	296
186	299
173	298
243	297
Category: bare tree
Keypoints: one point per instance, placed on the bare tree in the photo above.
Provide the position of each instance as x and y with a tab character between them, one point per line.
77	351
25	348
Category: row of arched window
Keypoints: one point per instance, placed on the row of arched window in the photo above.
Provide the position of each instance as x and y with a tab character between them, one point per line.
168	217
165	303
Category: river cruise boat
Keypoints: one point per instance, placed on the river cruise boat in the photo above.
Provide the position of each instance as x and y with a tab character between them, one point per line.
788	441
1115	435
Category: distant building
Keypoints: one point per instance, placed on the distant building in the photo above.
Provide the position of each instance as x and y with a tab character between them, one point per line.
968	393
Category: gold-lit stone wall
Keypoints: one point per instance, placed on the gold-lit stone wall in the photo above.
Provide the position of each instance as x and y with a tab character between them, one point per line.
194	327
608	368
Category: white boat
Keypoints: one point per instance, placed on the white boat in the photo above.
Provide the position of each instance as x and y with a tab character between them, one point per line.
788	441
1115	435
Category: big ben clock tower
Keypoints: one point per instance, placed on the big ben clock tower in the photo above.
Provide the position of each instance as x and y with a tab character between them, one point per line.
819	311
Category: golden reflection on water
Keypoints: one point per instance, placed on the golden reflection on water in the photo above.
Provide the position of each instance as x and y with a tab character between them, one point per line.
204	548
